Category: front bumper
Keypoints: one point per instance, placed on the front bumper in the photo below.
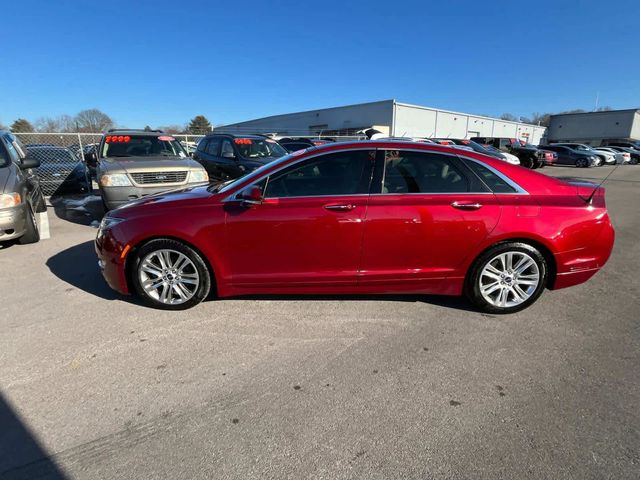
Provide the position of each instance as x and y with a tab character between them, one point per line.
13	222
112	261
116	196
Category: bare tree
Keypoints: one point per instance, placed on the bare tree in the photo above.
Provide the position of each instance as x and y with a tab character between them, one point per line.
173	129
509	117
93	121
62	123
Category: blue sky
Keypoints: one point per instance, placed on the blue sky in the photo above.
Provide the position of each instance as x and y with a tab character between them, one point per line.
159	62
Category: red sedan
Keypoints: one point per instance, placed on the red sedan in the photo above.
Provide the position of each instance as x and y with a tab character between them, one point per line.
362	217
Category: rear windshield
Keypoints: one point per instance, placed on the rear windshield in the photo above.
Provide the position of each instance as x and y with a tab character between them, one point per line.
259	148
142	146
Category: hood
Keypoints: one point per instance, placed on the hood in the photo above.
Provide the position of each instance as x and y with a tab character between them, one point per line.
160	162
5	173
163	200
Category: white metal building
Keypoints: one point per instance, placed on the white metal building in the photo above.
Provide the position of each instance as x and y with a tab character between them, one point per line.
595	128
390	117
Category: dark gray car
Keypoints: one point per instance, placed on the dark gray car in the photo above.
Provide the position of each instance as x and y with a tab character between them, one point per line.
20	194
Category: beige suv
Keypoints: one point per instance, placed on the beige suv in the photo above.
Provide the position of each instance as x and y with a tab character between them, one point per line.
134	163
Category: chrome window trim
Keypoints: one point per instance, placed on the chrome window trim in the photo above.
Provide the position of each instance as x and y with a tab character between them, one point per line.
519	189
231	197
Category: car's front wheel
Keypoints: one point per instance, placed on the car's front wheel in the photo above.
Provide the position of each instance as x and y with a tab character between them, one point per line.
32	232
169	274
507	278
582	163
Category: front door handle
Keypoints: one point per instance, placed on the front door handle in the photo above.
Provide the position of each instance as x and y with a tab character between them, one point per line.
466	206
339	207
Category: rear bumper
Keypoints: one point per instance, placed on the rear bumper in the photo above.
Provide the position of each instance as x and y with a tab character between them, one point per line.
578	266
13	222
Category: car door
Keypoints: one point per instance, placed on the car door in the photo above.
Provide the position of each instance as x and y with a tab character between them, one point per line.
428	214
307	230
229	160
27	178
207	154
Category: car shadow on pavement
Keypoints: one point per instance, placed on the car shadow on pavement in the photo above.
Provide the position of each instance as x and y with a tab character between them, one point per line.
22	454
78	266
456	303
82	209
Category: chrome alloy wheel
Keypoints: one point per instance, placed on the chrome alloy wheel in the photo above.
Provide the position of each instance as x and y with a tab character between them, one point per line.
509	279
168	276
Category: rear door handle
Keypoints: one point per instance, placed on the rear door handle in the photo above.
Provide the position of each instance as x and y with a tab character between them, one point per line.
339	207
466	206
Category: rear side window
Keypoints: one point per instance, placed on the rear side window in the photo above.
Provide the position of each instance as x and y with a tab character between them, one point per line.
493	181
201	145
421	172
213	146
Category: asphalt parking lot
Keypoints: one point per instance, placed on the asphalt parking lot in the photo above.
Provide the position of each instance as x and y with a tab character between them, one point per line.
94	385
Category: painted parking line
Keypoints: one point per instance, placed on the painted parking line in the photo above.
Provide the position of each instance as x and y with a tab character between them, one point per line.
44	226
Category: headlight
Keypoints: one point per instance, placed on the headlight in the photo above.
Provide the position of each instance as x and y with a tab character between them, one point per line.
198	176
8	200
115	180
107	223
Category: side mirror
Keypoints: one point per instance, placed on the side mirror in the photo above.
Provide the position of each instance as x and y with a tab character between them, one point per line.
251	195
91	158
29	162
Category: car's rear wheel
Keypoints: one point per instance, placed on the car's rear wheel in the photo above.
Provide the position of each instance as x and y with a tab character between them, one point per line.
170	275
32	233
507	278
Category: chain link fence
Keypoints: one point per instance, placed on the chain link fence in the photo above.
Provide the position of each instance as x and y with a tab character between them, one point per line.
61	155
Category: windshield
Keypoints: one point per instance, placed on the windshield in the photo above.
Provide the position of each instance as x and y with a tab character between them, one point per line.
258	148
142	146
223	187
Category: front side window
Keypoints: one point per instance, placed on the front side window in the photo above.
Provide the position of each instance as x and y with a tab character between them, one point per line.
421	172
342	173
227	150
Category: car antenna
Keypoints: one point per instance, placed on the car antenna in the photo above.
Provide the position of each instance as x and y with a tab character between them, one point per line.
588	200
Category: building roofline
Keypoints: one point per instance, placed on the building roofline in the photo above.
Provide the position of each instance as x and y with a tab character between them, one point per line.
307	111
392	101
625	110
467	114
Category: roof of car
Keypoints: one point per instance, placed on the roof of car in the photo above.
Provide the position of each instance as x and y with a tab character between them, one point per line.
234	135
133	131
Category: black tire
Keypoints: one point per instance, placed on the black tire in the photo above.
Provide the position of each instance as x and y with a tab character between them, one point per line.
203	288
582	163
633	161
31	234
41	204
472	283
